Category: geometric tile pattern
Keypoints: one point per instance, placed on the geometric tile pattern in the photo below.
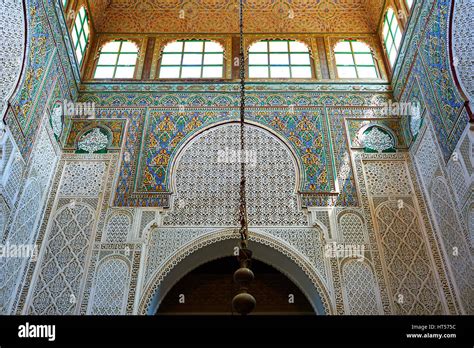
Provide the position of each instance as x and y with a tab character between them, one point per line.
207	181
144	179
305	130
82	179
462	45
352	229
118	228
410	277
63	264
425	57
110	287
11	48
454	239
20	232
360	289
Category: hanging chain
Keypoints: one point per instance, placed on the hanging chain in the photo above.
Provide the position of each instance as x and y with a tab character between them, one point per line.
243	200
243	302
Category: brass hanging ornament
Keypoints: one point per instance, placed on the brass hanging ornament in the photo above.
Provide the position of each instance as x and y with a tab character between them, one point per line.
243	303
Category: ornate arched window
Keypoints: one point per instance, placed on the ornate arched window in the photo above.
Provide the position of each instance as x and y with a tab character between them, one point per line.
80	34
354	59
392	36
64	2
410	3
117	60
279	59
192	59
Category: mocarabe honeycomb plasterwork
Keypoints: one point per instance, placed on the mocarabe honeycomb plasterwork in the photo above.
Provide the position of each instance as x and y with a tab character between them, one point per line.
222	16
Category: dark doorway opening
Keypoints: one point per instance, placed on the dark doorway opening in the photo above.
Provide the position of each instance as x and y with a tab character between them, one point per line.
209	289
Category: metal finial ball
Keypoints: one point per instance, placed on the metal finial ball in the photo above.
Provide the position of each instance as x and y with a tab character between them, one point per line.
243	276
243	303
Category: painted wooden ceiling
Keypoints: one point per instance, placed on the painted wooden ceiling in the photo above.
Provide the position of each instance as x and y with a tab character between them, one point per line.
221	16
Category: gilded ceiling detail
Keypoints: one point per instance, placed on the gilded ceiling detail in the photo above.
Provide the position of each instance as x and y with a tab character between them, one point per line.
221	16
